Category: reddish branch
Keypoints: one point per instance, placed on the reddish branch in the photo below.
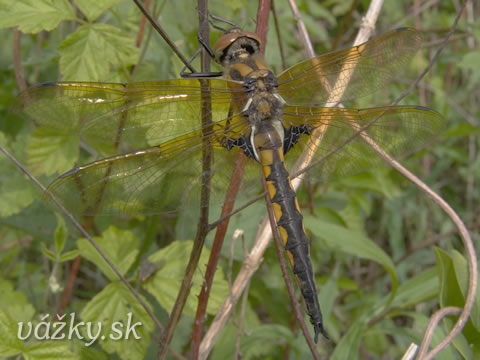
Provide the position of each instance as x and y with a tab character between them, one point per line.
262	22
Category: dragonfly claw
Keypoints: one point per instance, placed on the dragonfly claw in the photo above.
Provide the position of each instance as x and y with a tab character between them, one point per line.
318	328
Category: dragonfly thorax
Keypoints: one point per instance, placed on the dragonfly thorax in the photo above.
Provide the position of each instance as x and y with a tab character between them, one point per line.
262	80
263	106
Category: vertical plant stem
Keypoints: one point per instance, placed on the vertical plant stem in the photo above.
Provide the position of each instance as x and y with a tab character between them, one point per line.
207	156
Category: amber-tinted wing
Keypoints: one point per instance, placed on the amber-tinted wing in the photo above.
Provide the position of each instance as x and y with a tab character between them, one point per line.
344	150
158	179
135	115
351	73
161	120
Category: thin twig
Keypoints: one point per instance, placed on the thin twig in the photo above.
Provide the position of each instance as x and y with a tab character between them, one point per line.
433	323
345	22
165	36
70	283
472	141
21	242
141	28
243	307
157	8
279	36
416	11
302	29
207	158
17	61
215	251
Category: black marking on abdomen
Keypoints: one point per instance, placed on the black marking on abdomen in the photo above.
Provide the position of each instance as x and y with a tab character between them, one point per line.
296	242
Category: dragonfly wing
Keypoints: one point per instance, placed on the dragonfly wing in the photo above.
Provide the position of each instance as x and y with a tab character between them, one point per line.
350	73
347	137
113	118
159	179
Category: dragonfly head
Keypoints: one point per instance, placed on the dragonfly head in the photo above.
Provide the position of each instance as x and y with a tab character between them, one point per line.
233	41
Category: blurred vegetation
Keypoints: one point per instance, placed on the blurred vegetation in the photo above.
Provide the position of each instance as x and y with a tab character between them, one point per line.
369	232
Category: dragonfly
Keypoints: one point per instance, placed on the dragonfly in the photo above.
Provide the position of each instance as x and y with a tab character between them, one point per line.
150	134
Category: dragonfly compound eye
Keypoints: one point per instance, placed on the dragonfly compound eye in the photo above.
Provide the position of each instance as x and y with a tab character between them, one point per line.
250	42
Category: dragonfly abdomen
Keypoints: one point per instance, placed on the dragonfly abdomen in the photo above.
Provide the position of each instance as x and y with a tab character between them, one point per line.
289	221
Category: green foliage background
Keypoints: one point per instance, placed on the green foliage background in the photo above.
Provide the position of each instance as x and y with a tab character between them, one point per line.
372	234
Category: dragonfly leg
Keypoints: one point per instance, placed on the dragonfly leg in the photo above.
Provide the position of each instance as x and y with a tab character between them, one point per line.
196	75
292	135
243	143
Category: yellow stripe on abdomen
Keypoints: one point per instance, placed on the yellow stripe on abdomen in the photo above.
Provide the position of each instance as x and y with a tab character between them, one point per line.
292	229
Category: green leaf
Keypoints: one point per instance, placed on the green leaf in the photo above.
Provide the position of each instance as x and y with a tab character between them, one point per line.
249	321
347	284
246	220
15	303
16	191
33	16
15	194
470	61
377	180
89	353
47	350
460	343
376	340
319	11
319	32
48	253
96	52
164	284
50	152
93	8
10	344
69	255
120	246
461	272
262	340
462	129
328	293
420	288
111	308
348	347
236	4
450	293
60	235
453	278
353	243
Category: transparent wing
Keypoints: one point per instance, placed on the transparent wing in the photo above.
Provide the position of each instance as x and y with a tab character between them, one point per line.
350	73
115	118
163	119
343	150
158	179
